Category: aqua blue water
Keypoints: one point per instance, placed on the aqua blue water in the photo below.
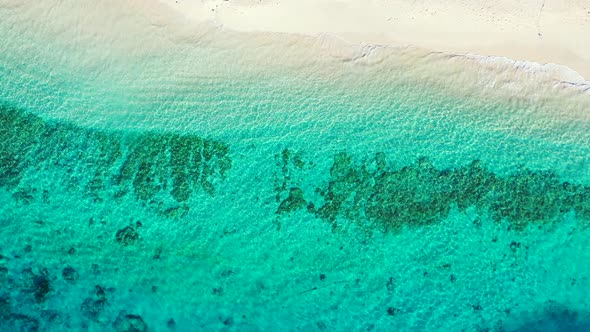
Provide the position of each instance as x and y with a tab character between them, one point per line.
139	196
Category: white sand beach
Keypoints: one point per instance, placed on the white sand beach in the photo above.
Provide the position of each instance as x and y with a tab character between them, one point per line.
117	47
542	31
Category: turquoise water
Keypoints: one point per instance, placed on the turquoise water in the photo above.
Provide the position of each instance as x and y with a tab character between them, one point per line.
149	191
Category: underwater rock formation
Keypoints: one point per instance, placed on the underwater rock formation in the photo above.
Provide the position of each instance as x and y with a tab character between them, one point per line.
291	198
420	194
92	307
37	284
127	235
294	201
70	275
129	323
163	170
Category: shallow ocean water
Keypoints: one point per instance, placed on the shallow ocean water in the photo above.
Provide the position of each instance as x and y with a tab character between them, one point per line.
185	185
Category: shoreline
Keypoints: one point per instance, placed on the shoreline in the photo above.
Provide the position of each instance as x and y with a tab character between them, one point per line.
535	32
199	57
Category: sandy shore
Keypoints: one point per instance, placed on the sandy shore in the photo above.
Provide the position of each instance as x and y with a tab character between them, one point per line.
541	31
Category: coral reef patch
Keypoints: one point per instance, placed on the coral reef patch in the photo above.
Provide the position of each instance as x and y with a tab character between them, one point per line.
162	170
420	194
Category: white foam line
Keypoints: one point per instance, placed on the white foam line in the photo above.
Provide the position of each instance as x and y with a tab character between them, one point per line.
570	77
